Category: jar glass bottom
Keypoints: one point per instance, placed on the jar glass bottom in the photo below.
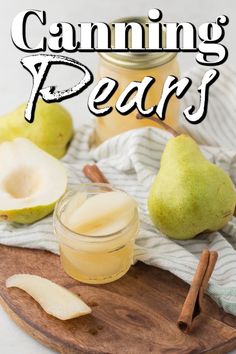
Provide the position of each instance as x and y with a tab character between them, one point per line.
97	267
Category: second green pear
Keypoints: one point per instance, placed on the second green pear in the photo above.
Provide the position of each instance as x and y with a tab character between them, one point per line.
190	195
51	129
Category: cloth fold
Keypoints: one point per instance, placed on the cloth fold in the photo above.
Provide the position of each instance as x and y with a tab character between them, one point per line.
131	160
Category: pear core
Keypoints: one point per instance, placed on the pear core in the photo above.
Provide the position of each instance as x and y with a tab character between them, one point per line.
23	182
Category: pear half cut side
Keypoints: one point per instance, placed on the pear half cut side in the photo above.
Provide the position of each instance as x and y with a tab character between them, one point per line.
31	181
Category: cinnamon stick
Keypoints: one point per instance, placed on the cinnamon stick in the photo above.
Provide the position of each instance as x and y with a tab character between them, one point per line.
193	303
94	174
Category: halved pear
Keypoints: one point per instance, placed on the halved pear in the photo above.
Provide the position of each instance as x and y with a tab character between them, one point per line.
53	298
31	181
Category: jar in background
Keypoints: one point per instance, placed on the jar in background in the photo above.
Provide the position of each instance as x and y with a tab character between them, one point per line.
94	259
134	66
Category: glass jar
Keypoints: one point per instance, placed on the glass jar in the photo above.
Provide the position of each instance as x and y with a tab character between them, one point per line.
126	67
94	259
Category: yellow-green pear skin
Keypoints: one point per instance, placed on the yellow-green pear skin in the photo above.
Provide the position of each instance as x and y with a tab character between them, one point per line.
190	195
26	215
51	130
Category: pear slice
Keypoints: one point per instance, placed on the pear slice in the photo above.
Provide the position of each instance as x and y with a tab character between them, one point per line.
53	298
75	202
31	181
100	211
114	225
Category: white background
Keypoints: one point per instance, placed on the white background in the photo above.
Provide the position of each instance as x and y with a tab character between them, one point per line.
15	82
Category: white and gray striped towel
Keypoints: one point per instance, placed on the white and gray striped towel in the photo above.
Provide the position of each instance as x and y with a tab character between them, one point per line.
131	160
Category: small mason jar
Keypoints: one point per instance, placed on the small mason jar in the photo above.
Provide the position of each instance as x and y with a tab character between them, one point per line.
94	259
129	66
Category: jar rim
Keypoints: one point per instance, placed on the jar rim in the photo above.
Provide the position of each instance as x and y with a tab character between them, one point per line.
83	237
137	60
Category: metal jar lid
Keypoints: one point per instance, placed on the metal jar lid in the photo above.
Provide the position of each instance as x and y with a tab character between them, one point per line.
136	60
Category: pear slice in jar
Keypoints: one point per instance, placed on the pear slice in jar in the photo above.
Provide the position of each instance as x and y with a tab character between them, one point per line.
75	202
53	298
102	211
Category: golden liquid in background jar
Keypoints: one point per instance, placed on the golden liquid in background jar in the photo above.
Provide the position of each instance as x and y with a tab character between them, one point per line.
128	67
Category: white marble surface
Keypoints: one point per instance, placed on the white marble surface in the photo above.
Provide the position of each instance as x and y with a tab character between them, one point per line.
15	82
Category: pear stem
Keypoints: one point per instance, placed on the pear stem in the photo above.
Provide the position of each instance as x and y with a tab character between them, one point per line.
160	122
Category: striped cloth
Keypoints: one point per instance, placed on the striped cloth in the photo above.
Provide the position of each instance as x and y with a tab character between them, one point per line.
131	160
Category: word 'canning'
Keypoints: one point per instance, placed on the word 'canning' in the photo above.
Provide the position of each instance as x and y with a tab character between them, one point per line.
89	36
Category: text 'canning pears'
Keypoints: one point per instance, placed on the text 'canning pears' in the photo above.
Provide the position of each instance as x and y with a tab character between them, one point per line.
190	195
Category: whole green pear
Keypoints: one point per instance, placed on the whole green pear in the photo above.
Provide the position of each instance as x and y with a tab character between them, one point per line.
190	195
51	129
